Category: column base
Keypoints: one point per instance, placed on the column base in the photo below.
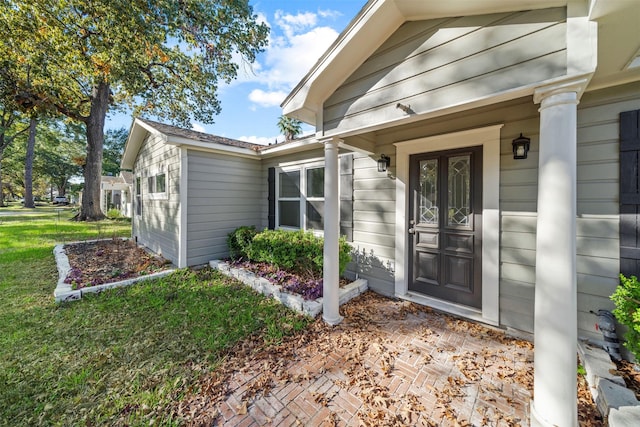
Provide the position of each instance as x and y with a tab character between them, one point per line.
536	419
333	321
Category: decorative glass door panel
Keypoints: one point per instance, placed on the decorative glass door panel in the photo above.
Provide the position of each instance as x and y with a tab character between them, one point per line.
445	225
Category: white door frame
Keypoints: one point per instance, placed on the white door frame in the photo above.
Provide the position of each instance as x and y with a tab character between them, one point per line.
489	139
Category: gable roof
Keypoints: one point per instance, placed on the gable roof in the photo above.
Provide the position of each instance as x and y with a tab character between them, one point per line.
175	131
192	139
174	135
379	19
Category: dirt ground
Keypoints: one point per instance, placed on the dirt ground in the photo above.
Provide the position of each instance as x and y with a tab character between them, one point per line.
107	261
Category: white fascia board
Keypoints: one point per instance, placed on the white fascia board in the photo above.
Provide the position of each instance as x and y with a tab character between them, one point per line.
218	148
137	134
292	147
369	29
582	40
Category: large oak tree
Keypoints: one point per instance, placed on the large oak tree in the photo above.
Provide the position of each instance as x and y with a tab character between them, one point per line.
161	57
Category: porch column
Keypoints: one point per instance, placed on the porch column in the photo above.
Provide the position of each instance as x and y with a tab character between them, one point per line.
330	282
555	324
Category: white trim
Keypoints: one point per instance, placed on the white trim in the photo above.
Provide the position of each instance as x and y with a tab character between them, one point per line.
182	208
489	139
180	141
302	199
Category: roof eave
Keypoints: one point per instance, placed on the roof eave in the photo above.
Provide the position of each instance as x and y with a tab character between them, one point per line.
377	20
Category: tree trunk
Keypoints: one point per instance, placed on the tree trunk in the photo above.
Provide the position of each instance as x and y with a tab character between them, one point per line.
90	208
28	164
62	189
1	188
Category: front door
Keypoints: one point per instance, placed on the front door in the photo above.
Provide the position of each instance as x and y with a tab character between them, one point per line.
445	220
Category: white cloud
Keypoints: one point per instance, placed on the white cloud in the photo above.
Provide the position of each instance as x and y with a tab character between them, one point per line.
262	140
267	98
291	24
296	42
197	127
289	61
329	13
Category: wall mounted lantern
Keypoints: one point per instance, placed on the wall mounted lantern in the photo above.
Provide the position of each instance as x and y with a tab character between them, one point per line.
383	163
520	147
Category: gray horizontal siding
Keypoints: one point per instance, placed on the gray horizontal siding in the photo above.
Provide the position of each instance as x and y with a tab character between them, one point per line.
437	63
224	193
158	227
598	199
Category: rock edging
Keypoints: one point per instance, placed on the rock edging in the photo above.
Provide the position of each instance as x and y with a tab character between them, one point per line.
614	400
65	292
296	302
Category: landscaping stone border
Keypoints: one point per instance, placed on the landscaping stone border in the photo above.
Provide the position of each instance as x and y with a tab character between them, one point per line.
293	301
65	292
613	399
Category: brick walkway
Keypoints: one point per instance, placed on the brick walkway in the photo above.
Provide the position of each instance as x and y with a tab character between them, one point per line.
388	363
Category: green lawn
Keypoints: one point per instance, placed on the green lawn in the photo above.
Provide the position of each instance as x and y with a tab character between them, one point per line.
120	357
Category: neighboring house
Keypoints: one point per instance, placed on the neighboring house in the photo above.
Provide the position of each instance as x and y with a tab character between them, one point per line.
115	193
460	221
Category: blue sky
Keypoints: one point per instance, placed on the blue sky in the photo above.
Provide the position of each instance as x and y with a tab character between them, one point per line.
301	30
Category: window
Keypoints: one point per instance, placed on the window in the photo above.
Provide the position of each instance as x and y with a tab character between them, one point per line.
301	197
160	183
138	196
157	186
289	199
315	199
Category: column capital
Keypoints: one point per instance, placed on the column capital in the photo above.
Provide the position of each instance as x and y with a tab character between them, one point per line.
329	139
576	85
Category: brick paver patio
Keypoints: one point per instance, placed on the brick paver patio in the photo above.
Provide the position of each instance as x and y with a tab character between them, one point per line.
388	363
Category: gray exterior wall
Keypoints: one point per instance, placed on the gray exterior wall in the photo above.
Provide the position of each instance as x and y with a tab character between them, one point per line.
597	222
288	159
438	63
224	192
158	227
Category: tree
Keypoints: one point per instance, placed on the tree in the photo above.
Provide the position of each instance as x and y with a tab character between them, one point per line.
10	118
114	142
28	164
164	57
59	153
289	127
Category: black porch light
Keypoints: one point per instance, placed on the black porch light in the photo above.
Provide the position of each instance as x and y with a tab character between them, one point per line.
383	163
520	147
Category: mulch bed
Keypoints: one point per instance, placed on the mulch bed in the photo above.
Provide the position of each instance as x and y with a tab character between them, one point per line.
108	261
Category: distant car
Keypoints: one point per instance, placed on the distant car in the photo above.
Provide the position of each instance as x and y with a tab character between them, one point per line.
60	200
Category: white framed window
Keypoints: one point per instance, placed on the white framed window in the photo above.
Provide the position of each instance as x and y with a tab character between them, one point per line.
300	197
157	185
138	196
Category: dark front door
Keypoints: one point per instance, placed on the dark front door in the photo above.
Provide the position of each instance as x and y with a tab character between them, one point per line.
445	219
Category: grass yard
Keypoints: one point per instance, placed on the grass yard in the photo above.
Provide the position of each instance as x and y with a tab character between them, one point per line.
118	358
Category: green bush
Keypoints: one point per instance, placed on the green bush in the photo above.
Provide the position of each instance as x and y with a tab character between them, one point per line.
114	213
239	241
297	251
627	312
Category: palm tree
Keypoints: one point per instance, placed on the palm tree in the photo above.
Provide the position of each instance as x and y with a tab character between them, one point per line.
289	127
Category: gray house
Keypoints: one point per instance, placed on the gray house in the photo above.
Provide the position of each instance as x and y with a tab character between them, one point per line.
482	157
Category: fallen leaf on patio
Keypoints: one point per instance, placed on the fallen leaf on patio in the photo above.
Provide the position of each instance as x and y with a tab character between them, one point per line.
242	409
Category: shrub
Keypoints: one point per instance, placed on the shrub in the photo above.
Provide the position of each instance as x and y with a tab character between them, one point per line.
297	251
627	300
239	241
114	213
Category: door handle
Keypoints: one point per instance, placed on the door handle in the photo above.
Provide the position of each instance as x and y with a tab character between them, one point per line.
412	230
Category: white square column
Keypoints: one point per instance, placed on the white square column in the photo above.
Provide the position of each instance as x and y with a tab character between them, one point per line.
331	269
555	323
